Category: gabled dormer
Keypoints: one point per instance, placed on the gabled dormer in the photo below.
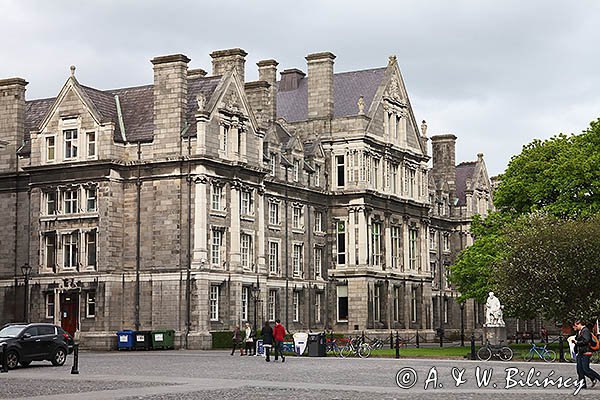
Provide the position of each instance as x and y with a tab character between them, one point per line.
230	130
391	116
79	125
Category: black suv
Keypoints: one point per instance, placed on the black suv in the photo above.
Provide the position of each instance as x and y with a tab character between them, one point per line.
35	342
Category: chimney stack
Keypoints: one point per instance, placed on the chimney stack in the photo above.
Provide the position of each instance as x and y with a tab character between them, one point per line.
170	103
443	148
320	85
267	71
225	60
12	121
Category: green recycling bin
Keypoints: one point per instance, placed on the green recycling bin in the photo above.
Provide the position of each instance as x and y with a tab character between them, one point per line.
163	339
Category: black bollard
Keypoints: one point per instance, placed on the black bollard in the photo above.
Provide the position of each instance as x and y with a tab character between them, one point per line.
441	337
417	338
391	340
472	347
561	350
363	337
397	345
75	368
4	363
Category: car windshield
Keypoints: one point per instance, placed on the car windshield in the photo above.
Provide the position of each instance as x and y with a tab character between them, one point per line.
11	331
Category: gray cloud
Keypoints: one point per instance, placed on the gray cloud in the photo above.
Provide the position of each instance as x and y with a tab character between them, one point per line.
496	74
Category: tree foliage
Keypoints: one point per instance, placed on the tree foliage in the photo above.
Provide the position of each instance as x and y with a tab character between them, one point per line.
551	268
528	249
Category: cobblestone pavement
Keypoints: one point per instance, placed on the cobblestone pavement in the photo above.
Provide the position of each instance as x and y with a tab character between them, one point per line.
215	375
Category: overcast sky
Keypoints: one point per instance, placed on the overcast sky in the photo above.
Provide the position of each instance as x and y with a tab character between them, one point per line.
494	73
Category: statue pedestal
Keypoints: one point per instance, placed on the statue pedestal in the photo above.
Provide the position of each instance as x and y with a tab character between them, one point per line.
495	334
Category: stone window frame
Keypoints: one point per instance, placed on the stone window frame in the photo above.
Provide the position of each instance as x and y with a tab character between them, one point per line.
73	247
339	234
318	261
274	206
70	200
47	147
319	221
244	299
89	189
376	247
340	171
277	271
317	307
91	144
247	259
217	186
220	246
71	140
298	259
213	302
413	304
87	234
396	246
272	305
337	302
247	210
50	305
296	306
413	247
298	216
90	304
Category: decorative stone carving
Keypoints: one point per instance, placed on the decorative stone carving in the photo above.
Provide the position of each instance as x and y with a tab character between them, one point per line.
394	89
493	312
361	105
423	128
201	101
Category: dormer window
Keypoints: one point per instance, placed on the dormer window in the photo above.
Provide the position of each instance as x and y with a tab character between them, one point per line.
91	144
70	136
296	170
50	148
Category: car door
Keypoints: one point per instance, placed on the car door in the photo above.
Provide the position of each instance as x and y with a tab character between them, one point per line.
47	336
30	343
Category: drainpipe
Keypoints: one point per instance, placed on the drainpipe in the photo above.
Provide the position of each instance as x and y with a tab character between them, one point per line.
188	283
138	184
287	260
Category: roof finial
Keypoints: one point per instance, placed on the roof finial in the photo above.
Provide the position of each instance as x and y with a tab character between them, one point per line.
72	71
423	128
361	105
479	156
392	59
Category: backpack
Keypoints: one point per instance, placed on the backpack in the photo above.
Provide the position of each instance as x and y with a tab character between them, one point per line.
594	344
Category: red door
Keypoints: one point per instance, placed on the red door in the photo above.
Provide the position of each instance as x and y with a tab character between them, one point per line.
69	306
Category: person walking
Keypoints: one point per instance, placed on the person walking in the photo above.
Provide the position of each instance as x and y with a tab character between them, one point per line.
249	340
237	339
279	336
267	336
584	353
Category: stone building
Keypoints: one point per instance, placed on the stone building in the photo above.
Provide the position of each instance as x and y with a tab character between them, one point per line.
202	201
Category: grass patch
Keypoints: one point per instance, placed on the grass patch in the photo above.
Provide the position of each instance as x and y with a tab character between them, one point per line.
431	352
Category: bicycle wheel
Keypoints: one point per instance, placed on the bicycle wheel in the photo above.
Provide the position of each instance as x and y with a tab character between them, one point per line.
346	351
549	356
364	350
529	356
568	357
505	354
484	354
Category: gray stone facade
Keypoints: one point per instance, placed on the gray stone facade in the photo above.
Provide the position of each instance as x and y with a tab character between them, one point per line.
189	203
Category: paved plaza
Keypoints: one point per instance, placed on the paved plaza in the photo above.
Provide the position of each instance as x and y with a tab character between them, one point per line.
217	375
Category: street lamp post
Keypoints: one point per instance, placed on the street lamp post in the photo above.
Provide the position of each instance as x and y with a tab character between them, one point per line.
462	323
26	270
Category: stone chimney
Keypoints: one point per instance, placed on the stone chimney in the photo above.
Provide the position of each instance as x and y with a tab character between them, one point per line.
267	71
320	85
443	149
290	79
225	60
12	121
170	103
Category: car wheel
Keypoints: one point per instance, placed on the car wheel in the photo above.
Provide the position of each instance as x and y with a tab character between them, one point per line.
24	363
59	357
12	359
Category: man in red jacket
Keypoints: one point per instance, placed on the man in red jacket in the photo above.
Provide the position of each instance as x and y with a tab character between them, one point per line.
278	336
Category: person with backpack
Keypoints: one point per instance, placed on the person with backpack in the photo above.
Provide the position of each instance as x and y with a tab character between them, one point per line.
237	341
585	342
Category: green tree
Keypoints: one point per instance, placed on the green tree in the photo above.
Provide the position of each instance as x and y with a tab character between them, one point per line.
551	268
473	271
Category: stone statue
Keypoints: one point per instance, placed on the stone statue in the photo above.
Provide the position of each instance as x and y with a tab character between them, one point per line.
361	105
493	312
201	101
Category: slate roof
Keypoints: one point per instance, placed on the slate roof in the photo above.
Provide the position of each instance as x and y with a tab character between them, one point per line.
137	107
347	88
464	171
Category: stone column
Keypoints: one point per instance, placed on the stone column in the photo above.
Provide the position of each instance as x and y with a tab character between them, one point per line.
234	231
200	254
362	237
351	232
261	266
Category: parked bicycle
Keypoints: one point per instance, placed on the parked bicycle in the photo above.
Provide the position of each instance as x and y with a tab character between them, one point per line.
376	344
356	347
488	351
332	348
542	352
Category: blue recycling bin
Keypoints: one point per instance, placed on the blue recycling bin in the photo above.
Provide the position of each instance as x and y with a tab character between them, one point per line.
125	340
